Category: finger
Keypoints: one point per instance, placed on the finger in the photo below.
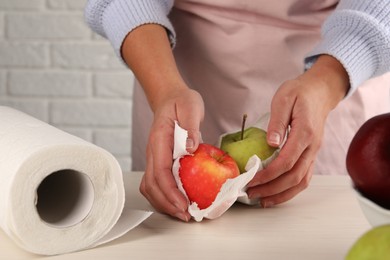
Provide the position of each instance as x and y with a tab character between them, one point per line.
280	118
150	189
288	194
189	119
285	181
162	149
144	181
284	162
159	203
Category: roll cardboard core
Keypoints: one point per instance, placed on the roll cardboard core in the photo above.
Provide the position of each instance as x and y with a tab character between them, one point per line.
65	198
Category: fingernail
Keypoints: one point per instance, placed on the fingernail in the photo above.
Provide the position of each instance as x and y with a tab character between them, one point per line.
266	204
179	207
253	195
189	143
274	138
253	183
181	216
250	195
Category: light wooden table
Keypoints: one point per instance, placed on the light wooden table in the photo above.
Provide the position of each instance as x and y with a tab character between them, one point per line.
320	223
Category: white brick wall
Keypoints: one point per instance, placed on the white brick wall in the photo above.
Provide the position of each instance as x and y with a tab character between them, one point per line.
52	66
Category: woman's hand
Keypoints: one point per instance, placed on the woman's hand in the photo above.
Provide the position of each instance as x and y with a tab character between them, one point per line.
303	104
158	185
148	53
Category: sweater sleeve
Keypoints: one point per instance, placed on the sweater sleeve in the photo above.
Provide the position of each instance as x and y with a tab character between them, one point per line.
357	33
114	19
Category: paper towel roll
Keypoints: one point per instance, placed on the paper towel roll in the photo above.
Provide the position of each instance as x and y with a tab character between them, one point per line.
58	193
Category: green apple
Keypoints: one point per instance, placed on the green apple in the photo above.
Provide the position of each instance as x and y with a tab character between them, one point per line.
374	244
245	143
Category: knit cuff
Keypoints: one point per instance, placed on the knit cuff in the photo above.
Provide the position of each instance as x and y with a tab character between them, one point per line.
117	18
358	42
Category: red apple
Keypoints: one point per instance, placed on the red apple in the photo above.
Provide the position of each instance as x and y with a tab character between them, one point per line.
368	160
204	172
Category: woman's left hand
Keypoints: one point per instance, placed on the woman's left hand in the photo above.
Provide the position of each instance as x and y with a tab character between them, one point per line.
303	104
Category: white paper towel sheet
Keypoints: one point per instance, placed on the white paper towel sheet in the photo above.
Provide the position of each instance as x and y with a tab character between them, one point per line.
58	193
233	189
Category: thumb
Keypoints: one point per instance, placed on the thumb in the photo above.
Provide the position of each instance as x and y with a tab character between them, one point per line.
193	140
277	126
191	123
190	116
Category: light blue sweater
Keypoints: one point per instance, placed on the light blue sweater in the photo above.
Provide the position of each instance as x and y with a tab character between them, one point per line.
357	33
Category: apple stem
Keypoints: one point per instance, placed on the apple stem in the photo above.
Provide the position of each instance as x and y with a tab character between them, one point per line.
243	125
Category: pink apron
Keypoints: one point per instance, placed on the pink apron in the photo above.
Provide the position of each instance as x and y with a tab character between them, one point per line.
236	53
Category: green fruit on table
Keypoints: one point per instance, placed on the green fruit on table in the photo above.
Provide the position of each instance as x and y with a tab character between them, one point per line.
245	143
374	244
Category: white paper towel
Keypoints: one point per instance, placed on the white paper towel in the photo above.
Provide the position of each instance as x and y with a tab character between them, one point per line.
231	190
58	193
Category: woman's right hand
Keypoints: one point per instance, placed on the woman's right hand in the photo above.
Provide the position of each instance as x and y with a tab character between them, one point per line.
158	185
147	51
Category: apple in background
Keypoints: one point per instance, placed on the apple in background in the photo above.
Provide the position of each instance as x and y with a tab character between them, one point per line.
204	172
368	160
244	144
374	244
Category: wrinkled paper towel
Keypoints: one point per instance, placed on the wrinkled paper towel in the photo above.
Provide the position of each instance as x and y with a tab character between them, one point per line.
232	190
58	193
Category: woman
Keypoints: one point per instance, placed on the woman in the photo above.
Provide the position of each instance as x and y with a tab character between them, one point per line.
232	57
